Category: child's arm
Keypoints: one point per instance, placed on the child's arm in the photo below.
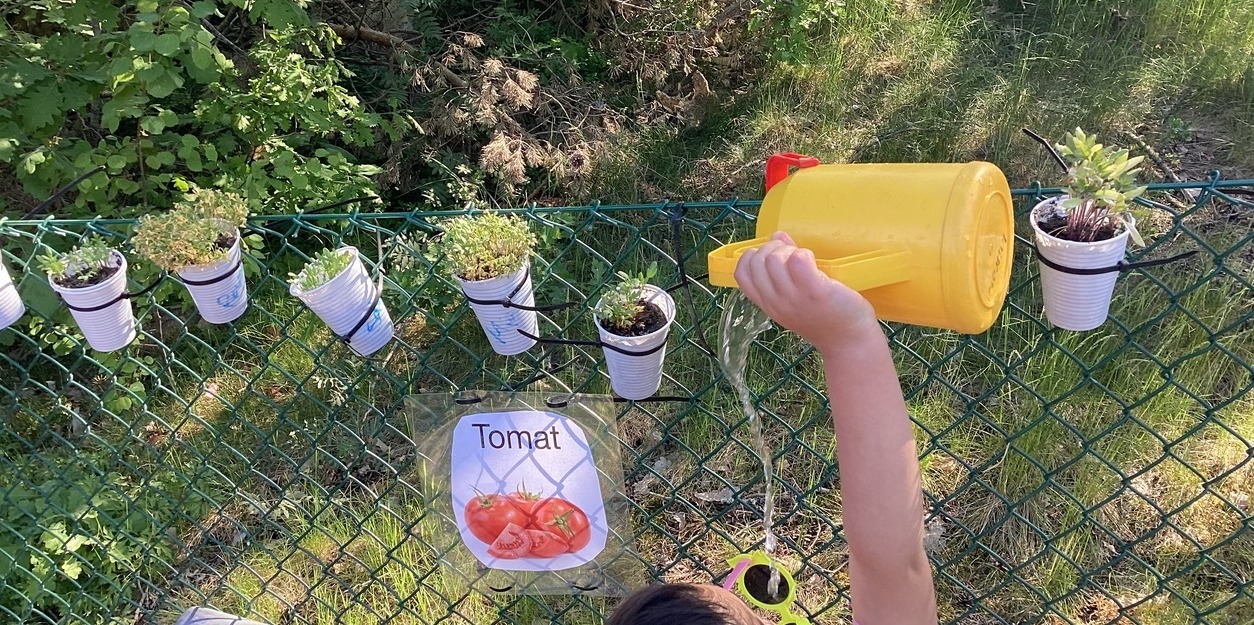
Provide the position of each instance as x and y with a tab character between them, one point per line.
891	580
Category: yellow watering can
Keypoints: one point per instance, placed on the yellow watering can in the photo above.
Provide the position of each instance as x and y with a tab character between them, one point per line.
929	244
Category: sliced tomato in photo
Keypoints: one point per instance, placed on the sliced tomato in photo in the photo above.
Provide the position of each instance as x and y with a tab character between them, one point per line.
513	543
546	544
565	519
488	515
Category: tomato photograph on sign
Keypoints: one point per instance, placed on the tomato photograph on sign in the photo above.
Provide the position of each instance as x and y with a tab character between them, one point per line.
525	491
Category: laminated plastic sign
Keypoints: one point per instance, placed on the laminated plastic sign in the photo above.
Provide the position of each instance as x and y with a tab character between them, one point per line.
525	491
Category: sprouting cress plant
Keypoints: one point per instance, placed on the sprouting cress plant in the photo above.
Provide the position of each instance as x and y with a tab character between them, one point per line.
189	233
325	265
82	263
485	246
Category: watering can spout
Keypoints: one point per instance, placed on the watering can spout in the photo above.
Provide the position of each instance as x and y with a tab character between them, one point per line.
926	243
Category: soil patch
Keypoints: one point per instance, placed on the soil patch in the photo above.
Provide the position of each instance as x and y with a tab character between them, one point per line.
225	241
651	319
1056	226
79	283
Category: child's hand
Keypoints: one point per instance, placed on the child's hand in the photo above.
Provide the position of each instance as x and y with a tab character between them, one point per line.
785	283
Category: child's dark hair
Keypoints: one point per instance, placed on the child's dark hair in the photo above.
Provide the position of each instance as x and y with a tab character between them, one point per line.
683	604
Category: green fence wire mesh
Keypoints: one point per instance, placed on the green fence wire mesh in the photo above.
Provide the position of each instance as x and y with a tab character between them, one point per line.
264	469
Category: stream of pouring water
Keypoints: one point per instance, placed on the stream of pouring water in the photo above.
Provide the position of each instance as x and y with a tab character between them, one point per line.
742	322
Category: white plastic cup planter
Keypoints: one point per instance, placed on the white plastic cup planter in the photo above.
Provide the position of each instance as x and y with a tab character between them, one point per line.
344	300
111	325
207	616
1076	302
633	376
11	306
500	323
219	289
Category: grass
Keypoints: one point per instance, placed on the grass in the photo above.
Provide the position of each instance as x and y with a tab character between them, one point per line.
944	81
1086	478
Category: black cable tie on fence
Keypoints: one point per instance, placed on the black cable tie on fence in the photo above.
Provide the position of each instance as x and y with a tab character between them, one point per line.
683	283
509	303
655	398
677	220
62	191
231	272
587	343
563	401
1121	267
140	293
1052	152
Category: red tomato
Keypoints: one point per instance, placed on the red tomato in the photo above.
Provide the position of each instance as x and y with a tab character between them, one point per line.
513	543
487	516
545	544
524	500
563	518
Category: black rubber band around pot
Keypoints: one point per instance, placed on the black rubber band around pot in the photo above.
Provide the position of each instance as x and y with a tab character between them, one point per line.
229	273
615	348
1121	267
348	336
509	303
124	296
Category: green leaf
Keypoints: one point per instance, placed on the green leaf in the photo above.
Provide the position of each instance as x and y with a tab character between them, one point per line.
143	40
41	106
116	162
33	159
72	568
152	125
203	9
168	44
75	541
165	85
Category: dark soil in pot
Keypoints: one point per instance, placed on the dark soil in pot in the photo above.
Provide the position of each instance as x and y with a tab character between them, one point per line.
79	283
1056	226
225	241
651	319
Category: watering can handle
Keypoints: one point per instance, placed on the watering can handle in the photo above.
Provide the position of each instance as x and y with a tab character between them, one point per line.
859	272
777	166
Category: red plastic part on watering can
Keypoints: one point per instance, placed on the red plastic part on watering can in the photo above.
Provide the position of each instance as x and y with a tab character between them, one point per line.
778	166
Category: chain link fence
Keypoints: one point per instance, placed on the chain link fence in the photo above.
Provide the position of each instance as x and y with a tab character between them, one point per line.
262	468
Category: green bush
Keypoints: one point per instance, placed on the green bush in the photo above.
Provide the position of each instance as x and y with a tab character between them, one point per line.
143	89
82	543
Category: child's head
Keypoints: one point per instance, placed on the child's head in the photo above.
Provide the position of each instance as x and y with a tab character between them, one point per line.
683	604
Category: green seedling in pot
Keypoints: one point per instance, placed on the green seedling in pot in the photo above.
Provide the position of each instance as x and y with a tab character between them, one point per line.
485	246
325	265
199	230
1102	184
82	266
621	304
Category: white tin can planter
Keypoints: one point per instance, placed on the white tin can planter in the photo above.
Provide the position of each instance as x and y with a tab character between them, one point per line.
102	311
11	306
219	289
639	376
1076	302
500	323
345	300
